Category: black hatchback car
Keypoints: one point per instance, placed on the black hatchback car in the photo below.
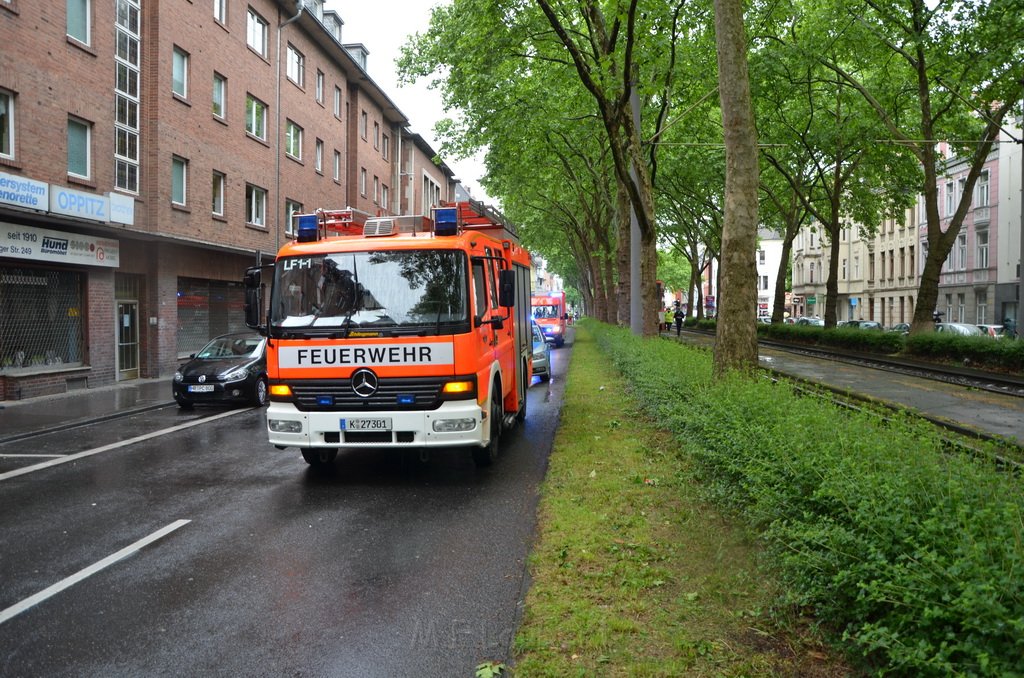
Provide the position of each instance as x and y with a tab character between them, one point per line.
232	368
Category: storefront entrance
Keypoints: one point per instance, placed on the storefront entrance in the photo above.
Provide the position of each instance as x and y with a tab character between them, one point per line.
127	340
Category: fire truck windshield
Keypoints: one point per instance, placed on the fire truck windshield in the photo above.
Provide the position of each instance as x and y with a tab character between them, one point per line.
380	290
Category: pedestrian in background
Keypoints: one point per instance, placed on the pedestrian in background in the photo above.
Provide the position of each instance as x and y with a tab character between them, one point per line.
668	319
678	316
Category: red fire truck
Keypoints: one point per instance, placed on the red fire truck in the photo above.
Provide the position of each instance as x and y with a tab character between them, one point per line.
404	333
549	312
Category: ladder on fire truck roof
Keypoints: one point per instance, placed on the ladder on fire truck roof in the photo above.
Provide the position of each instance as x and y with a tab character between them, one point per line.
475	215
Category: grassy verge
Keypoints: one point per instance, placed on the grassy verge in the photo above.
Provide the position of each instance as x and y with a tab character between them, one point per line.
634	574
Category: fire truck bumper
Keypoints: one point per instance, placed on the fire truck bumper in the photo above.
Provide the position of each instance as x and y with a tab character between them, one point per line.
455	423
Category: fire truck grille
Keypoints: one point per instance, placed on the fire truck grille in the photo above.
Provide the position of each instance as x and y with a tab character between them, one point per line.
391	394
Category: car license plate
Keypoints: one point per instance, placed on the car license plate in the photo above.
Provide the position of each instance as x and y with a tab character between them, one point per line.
378	424
201	388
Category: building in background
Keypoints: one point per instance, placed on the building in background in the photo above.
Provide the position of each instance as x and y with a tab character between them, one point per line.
150	152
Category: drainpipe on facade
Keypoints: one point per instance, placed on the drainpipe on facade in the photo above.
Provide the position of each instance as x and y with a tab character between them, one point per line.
278	211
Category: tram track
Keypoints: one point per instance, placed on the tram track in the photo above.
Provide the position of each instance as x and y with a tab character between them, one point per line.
1006	452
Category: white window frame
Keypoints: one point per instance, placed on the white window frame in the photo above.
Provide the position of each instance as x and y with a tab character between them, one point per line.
385	147
337	102
296	68
255	205
385	196
337	165
257	127
981	249
220	96
376	190
179	179
362	181
363	124
7	145
81	31
319	157
319	86
983	190
256	30
293	140
179	72
220	11
376	135
981	307
218	188
86	127
291	208
961	252
949	198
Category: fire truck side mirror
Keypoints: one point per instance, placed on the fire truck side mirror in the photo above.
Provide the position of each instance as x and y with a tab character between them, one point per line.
507	288
253	297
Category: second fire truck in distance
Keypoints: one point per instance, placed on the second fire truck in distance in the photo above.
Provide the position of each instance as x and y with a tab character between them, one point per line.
549	312
400	332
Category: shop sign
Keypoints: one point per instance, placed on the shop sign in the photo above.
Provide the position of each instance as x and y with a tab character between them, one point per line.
22	192
41	244
122	208
79	204
812	300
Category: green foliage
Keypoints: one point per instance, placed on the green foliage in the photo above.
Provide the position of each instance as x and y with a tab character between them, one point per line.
1001	353
490	670
910	556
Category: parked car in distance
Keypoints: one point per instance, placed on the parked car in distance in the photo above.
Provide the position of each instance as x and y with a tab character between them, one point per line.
541	354
859	325
902	328
962	329
994	331
810	320
231	368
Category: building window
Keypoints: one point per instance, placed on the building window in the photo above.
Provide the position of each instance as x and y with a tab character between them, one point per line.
256	117
179	180
293	140
982	190
376	135
43	323
79	145
126	97
291	208
431	194
856	268
337	165
385	149
220	95
376	190
362	124
913	262
337	102
79	20
760	256
981	301
319	86
319	166
255	205
810	272
179	73
6	125
385	197
219	183
296	66
903	262
362	181
871	267
220	11
961	307
949	307
764	282
949	198
256	33
842	275
961	252
981	240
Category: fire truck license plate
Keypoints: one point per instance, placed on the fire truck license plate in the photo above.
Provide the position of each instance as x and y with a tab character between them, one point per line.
380	424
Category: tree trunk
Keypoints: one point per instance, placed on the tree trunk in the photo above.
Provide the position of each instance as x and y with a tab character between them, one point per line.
622	256
832	282
736	336
779	306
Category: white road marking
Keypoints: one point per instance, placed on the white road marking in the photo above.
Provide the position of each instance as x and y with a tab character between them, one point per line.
48	592
23	456
114	446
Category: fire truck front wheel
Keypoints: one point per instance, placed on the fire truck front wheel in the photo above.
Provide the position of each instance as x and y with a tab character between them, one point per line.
320	457
485	456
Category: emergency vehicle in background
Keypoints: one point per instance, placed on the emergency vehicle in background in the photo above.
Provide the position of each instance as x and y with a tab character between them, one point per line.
549	312
395	332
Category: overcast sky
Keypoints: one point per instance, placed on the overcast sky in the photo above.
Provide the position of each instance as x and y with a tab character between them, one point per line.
383	26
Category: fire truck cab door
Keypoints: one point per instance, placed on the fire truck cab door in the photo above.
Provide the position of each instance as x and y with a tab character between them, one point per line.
494	329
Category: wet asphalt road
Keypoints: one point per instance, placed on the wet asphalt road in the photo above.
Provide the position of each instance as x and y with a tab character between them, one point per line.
240	560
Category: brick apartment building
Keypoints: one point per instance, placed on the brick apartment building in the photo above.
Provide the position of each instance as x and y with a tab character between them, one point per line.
151	151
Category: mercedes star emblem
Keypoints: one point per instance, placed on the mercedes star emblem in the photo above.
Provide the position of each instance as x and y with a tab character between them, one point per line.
364	383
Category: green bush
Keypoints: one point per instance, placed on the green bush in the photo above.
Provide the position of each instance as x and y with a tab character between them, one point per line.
912	557
1006	354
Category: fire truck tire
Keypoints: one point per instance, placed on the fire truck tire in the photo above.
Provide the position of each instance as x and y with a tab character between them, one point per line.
319	457
485	456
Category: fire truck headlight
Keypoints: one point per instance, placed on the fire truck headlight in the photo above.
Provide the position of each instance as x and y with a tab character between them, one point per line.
459	390
281	391
454	425
284	426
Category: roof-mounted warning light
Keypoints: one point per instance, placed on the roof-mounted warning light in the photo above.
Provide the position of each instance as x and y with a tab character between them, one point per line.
446	221
309	227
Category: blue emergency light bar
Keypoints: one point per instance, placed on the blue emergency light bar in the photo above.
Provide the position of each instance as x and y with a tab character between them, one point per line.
309	225
446	221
